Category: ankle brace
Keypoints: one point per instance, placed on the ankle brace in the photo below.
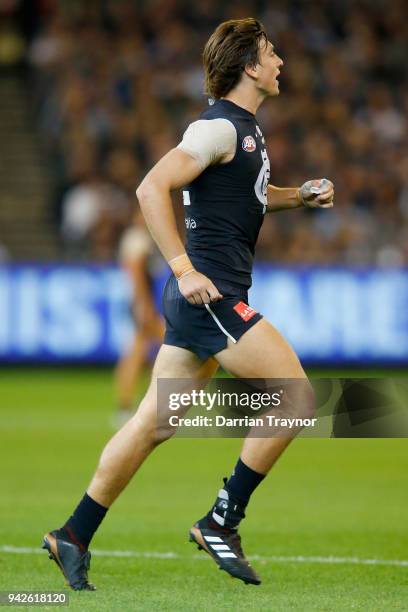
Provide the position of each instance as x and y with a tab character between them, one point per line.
227	511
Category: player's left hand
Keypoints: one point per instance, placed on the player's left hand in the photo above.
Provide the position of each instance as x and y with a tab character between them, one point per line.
318	193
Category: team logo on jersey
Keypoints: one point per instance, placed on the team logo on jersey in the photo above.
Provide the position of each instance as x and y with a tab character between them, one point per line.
249	144
244	311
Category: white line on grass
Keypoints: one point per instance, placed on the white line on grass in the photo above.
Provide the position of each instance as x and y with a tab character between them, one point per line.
171	555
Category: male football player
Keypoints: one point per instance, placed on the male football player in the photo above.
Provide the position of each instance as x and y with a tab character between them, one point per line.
223	167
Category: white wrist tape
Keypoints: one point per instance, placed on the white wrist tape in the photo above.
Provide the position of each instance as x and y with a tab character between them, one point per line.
181	265
308	188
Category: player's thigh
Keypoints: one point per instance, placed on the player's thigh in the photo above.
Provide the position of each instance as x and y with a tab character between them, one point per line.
261	352
175	363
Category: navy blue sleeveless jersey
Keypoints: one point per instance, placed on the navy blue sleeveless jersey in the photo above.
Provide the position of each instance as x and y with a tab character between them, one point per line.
225	205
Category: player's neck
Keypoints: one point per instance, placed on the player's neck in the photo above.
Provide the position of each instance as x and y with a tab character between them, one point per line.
246	97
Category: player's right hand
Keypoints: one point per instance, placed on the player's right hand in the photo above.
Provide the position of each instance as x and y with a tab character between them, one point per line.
198	289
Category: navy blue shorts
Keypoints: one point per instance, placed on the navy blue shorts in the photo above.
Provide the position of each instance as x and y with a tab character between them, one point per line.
204	329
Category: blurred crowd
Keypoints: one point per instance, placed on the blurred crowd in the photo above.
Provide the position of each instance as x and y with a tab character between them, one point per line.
116	82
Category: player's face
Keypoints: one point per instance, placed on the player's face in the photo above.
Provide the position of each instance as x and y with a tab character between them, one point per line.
268	69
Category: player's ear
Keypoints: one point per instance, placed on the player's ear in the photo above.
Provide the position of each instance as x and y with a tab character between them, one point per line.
251	70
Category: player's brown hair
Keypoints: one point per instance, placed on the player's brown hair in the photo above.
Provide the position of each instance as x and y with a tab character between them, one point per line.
233	45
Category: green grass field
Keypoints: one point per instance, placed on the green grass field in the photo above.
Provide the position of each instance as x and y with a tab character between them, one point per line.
327	500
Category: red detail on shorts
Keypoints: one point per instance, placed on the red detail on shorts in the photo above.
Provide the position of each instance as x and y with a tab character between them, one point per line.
244	311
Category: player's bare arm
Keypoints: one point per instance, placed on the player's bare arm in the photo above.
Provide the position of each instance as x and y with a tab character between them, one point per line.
318	193
172	172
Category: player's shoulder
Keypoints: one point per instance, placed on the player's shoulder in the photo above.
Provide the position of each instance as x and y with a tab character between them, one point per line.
209	140
210	127
225	109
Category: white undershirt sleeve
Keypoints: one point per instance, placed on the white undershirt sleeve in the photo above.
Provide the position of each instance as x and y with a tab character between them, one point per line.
209	140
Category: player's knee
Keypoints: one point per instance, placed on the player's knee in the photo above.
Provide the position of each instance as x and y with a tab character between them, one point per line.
154	433
162	434
163	430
